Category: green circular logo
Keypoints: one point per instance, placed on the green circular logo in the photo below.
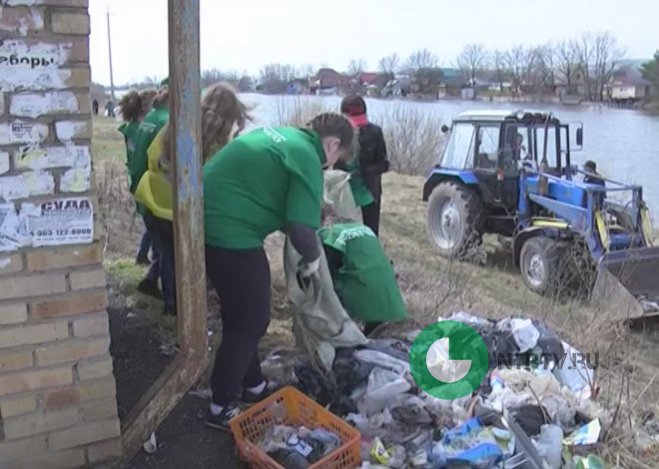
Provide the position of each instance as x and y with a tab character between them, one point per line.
449	360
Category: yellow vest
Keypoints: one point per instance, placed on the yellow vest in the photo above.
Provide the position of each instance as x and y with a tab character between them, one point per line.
154	190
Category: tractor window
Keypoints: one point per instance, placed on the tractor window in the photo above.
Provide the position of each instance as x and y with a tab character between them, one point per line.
553	155
460	149
487	155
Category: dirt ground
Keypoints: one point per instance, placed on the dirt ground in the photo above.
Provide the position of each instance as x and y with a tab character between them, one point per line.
142	338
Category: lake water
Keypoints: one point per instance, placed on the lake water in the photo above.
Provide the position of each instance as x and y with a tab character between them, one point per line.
624	143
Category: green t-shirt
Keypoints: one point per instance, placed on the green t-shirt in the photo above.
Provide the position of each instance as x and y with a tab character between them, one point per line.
365	283
146	132
129	131
259	182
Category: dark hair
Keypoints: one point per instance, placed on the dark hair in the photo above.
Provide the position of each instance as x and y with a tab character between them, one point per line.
590	164
131	106
147	97
162	98
331	124
353	105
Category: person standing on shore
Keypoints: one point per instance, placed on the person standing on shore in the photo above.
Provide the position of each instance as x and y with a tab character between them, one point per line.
268	180
371	163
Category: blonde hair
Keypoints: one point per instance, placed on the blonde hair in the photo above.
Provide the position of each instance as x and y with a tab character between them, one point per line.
221	110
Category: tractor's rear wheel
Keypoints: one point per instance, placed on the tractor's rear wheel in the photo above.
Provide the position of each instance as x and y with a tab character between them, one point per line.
454	219
540	263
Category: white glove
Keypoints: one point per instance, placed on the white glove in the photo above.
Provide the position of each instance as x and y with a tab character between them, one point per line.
307	269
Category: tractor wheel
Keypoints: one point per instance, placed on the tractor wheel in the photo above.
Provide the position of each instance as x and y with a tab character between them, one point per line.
540	264
454	219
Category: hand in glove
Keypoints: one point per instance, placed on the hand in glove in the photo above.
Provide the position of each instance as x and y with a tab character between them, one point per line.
307	269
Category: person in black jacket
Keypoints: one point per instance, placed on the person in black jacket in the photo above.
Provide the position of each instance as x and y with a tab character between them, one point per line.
372	161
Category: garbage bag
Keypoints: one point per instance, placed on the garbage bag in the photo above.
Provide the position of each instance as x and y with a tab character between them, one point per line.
338	198
575	372
320	323
398	349
550	445
383	360
383	385
525	334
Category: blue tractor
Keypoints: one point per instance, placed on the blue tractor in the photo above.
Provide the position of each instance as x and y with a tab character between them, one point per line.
509	173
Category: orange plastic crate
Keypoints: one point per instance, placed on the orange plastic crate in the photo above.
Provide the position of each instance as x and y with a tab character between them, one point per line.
288	406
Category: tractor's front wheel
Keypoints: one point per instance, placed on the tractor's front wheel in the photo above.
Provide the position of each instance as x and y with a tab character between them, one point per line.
455	215
540	264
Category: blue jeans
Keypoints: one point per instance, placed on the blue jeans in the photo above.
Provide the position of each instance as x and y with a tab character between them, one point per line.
145	245
163	242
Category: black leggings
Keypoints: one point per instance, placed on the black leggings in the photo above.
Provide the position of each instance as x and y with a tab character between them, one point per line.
242	281
371	216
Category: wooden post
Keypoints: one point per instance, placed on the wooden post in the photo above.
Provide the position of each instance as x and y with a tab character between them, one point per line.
185	122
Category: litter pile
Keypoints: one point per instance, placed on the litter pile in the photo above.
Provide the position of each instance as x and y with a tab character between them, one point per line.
650	305
532	411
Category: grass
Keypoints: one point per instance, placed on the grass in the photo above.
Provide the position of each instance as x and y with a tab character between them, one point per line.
432	286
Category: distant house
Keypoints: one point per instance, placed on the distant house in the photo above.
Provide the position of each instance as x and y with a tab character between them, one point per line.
327	81
298	86
577	88
451	83
628	84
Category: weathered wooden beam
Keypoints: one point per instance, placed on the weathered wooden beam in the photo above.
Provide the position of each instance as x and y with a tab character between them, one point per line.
185	122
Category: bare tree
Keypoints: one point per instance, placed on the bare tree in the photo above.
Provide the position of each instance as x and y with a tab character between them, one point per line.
585	57
356	66
500	64
547	65
607	54
520	62
422	59
389	65
471	61
567	56
306	71
275	77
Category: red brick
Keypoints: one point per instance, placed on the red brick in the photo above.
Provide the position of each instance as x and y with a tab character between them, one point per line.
91	326
32	380
33	334
12	361
14	313
61	399
107	450
39	422
87	279
70	305
64	257
10	264
31	286
85	434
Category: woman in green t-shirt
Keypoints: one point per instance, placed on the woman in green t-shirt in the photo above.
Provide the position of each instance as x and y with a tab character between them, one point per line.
133	106
268	180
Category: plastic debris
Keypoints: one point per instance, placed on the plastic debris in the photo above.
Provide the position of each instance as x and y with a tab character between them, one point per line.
523	416
150	446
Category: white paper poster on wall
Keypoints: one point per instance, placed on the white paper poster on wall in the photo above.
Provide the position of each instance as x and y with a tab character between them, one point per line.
37	157
60	221
26	185
4	162
13	234
35	105
25	66
76	180
22	132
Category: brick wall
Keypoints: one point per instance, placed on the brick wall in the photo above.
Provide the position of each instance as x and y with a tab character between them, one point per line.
57	391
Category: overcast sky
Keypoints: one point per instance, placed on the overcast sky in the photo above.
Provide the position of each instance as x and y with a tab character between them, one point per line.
245	35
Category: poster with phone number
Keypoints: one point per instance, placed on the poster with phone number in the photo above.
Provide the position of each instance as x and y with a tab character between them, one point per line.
60	221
